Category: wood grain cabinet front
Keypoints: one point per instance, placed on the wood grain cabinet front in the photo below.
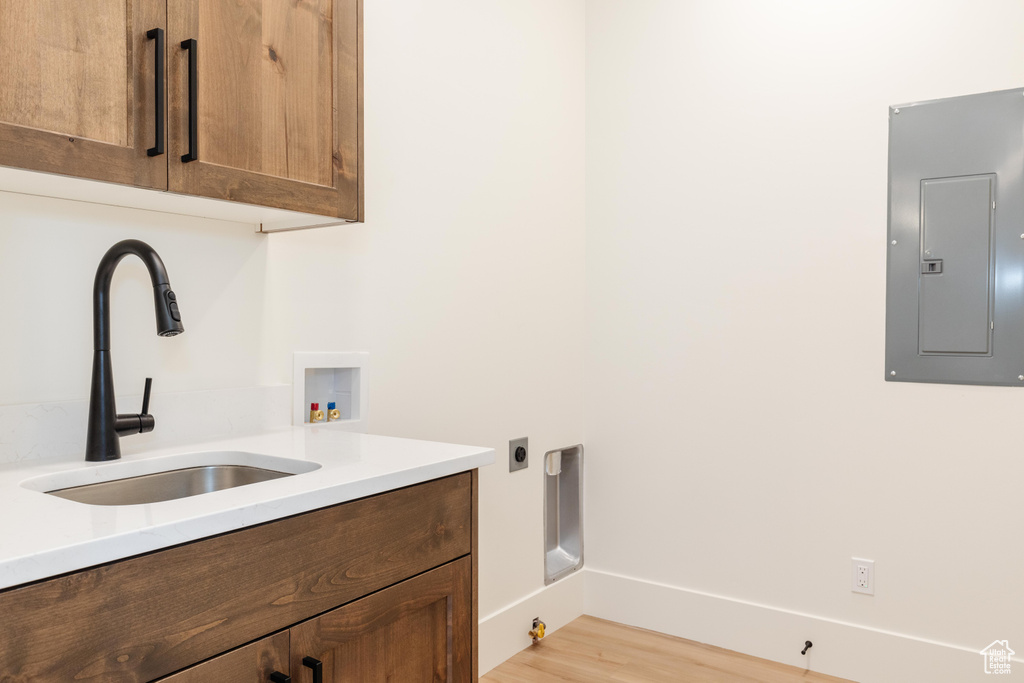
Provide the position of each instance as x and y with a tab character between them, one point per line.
255	663
251	101
413	632
264	102
78	84
408	633
400	563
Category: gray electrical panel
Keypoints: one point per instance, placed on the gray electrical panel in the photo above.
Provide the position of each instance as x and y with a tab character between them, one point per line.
955	273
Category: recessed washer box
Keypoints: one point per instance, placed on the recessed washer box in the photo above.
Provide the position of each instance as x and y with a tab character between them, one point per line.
323	378
955	274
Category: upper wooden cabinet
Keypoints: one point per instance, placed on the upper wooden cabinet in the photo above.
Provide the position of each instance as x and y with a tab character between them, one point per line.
77	86
274	103
260	99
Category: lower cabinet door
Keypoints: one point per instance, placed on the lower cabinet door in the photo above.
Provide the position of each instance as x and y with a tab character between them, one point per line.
254	663
417	631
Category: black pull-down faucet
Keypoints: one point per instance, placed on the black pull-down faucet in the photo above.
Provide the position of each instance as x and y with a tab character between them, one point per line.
106	426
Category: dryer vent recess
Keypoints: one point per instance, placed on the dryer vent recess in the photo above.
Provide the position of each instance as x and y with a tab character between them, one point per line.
563	512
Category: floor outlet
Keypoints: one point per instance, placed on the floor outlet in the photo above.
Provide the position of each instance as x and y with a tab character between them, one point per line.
863	576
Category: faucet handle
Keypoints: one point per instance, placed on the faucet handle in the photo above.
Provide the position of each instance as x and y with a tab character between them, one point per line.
146	421
145	396
140	423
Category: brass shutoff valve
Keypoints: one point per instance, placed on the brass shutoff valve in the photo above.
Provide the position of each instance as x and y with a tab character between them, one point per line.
538	630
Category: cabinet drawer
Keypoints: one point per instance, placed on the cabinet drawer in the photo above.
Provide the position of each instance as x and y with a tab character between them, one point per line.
142	618
253	663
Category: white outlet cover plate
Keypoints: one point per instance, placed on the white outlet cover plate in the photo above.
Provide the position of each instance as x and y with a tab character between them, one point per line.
862	578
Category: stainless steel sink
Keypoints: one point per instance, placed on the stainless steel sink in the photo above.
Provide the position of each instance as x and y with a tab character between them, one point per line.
168	485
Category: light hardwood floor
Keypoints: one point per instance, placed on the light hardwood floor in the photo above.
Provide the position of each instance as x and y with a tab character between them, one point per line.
595	650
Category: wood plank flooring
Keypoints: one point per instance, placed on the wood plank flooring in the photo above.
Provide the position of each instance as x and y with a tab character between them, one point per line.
593	650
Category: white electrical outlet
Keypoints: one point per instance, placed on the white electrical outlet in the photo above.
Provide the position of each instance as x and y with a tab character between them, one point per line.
863	576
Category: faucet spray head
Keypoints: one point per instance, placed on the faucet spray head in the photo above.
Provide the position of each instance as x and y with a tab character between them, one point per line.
168	318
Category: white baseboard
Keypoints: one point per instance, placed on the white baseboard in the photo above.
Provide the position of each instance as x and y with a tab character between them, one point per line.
840	649
504	633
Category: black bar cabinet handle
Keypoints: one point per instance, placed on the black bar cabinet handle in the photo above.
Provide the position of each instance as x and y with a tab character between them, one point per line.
159	91
317	666
278	677
193	97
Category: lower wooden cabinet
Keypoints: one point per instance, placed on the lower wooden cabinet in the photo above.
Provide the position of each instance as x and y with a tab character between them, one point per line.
406	633
378	589
255	662
413	632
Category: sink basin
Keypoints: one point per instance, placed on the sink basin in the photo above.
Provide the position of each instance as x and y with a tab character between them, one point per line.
160	479
154	488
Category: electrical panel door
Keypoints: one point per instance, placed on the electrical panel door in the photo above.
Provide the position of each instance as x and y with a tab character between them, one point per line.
955	278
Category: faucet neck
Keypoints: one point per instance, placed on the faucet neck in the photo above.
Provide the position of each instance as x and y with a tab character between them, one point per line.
104	275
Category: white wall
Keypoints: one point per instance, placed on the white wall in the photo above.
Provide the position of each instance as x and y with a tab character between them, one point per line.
741	444
466	284
741	441
49	250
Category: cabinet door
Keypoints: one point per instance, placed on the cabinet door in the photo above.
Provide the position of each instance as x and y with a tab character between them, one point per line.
77	88
418	631
250	664
270	113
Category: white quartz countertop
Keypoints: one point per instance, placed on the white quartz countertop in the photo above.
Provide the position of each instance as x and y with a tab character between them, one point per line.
43	535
